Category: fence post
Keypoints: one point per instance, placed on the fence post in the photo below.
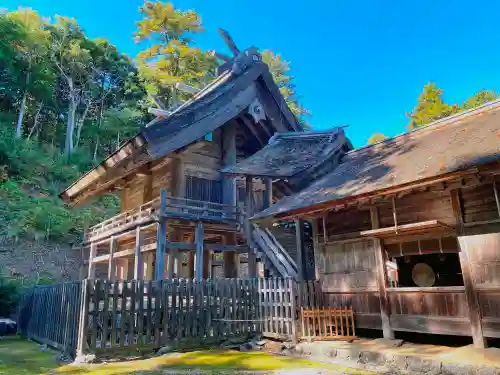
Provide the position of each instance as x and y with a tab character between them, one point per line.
292	284
82	323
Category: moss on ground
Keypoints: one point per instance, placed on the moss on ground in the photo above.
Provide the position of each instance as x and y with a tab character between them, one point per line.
21	357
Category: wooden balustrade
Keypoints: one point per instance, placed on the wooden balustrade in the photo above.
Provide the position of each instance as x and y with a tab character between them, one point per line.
176	207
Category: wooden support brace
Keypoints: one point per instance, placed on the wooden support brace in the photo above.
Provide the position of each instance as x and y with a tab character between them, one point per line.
252	259
92	254
161	238
299	239
199	237
229	42
138	263
380	257
112	260
470	290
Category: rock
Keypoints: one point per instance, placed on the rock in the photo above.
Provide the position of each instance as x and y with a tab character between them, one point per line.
416	364
457	369
261	342
165	350
488	371
388	342
371	357
287	345
7	327
229	345
43	347
84	359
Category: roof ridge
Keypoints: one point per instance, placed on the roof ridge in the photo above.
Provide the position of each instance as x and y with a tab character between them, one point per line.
435	125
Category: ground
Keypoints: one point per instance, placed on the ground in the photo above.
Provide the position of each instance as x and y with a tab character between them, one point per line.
21	357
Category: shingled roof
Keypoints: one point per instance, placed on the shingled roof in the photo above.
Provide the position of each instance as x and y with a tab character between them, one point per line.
242	81
448	145
288	154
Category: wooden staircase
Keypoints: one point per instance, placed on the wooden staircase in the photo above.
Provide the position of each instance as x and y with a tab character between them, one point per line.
268	249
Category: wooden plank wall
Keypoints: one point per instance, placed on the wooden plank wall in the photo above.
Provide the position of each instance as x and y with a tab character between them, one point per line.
348	278
418	206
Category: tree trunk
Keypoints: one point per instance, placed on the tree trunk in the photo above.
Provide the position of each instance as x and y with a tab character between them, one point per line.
20	118
80	123
70	128
35	122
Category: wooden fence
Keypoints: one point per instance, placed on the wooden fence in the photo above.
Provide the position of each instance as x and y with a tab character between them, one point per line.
49	314
105	317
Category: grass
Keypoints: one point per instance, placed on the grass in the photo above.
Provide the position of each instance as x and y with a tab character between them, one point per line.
20	357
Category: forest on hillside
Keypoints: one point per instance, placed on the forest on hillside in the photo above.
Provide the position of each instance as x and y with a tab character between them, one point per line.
67	100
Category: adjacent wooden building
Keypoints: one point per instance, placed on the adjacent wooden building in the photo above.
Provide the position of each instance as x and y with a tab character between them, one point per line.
407	231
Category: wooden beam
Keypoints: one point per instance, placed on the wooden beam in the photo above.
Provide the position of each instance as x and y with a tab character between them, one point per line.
316	249
380	256
159	112
92	254
299	240
111	261
161	237
470	292
230	267
186	88
229	42
497	199
250	125
198	239
122	269
138	265
220	56
252	258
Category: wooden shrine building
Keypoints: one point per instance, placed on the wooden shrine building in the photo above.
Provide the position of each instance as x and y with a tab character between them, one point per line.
180	214
407	231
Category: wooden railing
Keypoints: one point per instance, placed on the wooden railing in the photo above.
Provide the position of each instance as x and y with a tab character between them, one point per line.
175	207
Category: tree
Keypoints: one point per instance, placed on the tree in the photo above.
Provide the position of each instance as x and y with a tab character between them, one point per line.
280	70
480	98
34	70
430	107
376	138
171	58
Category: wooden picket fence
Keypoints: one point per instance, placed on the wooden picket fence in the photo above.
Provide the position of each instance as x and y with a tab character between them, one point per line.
49	314
105	317
327	324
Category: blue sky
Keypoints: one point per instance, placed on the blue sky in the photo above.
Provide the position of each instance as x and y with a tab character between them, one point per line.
356	63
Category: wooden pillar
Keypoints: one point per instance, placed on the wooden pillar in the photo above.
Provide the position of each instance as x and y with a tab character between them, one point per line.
147	192
207	264
470	290
122	269
124	199
148	259
111	260
138	264
299	240
316	249
230	263
190	264
161	237
380	257
92	254
268	201
198	239
249	206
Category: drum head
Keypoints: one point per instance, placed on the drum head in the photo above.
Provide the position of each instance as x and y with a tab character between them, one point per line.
423	275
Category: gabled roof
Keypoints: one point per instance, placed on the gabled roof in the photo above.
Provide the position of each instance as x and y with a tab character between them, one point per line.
288	154
240	83
452	144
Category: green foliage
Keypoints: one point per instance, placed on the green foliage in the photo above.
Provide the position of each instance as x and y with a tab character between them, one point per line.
280	70
171	57
376	138
31	178
10	292
430	107
480	98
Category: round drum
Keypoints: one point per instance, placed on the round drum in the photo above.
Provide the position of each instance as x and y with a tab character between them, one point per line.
423	275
